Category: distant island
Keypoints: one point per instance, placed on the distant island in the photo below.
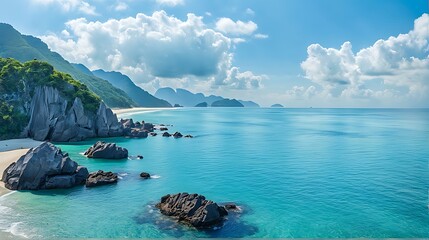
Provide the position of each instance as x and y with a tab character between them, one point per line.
203	104
277	105
227	103
186	98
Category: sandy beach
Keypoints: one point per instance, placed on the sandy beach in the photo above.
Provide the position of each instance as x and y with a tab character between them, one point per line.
140	109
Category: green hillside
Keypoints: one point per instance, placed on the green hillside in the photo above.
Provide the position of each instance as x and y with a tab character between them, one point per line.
24	48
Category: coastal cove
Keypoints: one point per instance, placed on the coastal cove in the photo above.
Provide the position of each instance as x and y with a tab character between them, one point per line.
295	173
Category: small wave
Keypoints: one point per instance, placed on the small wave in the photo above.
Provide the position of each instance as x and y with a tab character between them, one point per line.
7	194
155	176
14	229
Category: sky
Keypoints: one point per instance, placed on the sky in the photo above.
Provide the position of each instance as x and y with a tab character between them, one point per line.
299	53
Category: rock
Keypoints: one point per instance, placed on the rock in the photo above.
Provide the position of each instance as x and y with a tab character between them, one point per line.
230	206
189	136
107	124
138	133
166	134
177	105
106	150
148	127
139	156
153	134
163	129
145	175
44	167
192	209
100	178
128	123
177	135
50	119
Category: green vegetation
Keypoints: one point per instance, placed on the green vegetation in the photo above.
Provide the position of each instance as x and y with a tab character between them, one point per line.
14	75
12	122
17	83
25	48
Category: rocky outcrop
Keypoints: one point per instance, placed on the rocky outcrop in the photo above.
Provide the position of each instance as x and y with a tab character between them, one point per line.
106	150
177	135
107	124
44	167
136	130
166	134
192	209
100	178
51	119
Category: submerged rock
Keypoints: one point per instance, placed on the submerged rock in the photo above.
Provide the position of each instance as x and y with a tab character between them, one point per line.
145	175
189	136
100	178
106	150
44	167
163	129
192	209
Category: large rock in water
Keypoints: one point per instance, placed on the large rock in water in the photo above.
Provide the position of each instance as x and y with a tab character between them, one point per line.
100	178
106	150
192	209
44	167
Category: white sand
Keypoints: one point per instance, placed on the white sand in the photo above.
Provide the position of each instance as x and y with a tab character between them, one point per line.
140	109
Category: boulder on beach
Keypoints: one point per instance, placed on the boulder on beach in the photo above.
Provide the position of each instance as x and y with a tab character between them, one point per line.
100	178
44	167
192	209
106	150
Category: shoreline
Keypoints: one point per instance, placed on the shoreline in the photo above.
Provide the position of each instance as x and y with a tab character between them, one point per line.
119	111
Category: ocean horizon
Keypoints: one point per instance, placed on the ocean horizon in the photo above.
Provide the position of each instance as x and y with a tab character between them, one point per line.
295	173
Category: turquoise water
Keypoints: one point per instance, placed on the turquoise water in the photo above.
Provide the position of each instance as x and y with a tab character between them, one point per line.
296	172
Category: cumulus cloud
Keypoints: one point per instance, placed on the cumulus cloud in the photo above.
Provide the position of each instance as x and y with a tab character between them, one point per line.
228	26
261	36
157	46
401	62
170	3
121	6
241	80
70	5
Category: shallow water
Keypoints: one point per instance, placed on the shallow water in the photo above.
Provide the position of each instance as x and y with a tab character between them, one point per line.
296	173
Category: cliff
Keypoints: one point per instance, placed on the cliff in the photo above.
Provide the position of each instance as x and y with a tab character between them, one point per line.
50	105
51	120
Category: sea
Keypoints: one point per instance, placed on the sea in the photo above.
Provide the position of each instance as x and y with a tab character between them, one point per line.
294	173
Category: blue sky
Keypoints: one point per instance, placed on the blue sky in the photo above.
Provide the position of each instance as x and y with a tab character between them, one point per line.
299	53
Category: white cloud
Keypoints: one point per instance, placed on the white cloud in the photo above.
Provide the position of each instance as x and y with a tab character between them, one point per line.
401	62
249	11
157	46
170	3
70	5
241	80
260	36
121	6
228	26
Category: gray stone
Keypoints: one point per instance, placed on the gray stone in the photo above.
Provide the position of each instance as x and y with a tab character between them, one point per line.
43	167
106	150
192	209
100	178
